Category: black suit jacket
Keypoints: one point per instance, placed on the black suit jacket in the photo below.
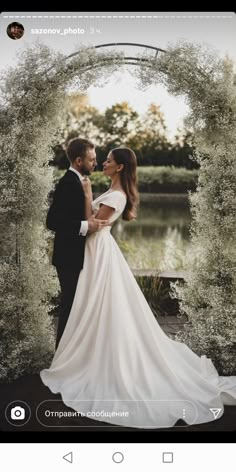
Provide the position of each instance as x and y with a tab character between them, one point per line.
64	218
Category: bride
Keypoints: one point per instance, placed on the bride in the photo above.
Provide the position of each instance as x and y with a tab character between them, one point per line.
114	363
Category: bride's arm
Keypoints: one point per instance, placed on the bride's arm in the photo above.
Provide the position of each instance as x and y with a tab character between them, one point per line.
105	212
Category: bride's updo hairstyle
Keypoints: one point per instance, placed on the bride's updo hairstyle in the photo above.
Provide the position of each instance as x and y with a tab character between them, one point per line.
128	179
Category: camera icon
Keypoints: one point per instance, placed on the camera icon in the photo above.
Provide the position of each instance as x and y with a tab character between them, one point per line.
17	413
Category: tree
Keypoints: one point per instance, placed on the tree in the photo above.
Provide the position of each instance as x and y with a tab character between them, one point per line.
119	123
181	153
80	119
150	139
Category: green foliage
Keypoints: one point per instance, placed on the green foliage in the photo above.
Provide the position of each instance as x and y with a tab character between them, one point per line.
164	174
150	179
166	179
119	124
100	183
156	293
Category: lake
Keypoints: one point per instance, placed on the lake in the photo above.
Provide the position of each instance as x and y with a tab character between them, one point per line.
159	237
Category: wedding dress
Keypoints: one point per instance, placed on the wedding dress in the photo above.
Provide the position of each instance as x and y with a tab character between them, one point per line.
114	363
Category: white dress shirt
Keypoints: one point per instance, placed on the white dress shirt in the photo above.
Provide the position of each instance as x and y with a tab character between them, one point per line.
84	224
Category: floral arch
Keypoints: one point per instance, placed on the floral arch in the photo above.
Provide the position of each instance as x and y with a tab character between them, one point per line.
32	101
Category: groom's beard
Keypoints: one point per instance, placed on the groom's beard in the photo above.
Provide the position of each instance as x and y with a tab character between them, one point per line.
87	172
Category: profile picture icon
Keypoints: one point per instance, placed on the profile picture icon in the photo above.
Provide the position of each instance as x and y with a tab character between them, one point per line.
15	30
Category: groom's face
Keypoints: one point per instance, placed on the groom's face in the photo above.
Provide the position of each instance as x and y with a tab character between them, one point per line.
89	162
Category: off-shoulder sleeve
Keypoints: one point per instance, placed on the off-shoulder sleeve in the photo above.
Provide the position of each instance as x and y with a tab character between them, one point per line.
116	200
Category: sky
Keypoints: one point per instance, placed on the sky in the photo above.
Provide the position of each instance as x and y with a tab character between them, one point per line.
67	31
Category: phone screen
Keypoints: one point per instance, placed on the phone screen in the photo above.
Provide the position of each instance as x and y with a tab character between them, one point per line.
117	238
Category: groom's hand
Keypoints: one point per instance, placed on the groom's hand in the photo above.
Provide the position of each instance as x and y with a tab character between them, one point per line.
87	186
95	225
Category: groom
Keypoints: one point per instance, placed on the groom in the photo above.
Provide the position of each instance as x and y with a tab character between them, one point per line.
66	217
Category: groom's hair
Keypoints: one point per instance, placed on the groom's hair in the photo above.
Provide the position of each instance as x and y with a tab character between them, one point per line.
77	147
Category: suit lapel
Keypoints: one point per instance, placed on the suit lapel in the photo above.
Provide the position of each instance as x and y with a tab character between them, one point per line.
76	178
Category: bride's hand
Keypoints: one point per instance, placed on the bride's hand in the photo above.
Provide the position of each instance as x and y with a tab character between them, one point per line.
86	184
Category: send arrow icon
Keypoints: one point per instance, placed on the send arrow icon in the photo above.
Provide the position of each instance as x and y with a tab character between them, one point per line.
216	412
68	457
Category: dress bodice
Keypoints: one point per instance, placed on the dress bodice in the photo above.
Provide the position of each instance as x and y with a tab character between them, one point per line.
112	198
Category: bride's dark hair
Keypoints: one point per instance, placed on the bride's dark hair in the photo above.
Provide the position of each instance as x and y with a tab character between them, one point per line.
128	180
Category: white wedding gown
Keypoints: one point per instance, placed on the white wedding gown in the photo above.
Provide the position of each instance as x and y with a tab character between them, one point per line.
114	363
